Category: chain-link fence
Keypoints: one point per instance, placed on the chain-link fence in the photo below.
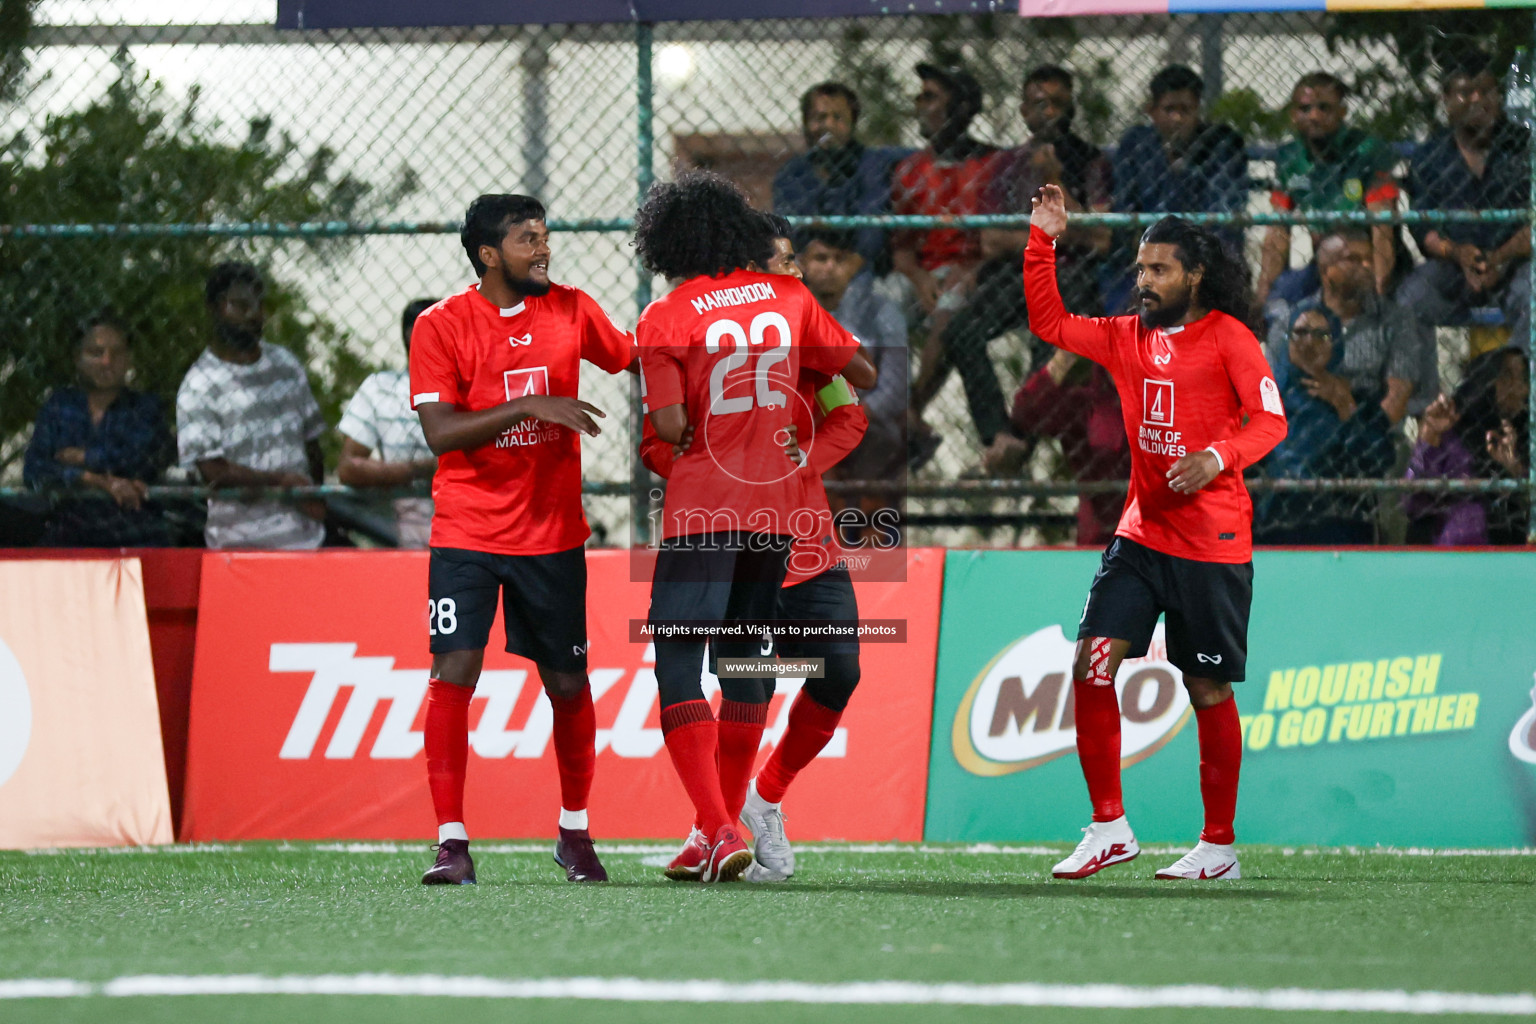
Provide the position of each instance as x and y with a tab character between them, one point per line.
338	163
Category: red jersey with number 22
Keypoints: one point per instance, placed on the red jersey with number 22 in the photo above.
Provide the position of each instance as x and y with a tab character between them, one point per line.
730	349
519	493
1182	390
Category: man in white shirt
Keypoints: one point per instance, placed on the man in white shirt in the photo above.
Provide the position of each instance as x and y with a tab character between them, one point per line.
245	417
379	418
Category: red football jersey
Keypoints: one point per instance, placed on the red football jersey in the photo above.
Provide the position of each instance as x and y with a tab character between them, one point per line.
825	439
1182	390
519	494
731	350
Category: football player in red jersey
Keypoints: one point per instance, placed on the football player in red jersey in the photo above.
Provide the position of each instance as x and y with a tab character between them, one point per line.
722	354
1200	405
817	588
494	374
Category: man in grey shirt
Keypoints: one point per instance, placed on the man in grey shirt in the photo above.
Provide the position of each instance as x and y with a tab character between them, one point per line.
245	417
835	274
1385	348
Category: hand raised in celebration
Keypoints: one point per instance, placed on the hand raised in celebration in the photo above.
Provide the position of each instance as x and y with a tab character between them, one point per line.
1048	210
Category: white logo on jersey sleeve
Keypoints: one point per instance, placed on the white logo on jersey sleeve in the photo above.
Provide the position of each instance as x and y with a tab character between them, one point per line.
1269	395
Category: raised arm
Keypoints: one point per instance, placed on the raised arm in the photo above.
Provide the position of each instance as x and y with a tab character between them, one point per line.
1092	337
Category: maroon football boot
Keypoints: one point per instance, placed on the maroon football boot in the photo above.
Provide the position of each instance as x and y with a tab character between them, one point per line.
454	865
574	852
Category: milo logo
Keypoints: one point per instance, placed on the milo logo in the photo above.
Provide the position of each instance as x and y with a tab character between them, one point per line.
1020	710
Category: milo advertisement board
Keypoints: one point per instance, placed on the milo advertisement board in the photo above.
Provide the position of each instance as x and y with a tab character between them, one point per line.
1389	700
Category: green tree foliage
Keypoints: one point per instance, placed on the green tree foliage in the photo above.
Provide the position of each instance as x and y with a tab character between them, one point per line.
1399	56
133	158
15	27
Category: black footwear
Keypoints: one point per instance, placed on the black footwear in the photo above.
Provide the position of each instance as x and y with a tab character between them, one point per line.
574	852
454	865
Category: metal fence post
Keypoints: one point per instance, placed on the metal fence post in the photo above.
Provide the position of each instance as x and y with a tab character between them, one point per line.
645	145
1530	349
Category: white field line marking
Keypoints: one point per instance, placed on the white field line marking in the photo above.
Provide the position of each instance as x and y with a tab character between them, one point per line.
869	993
644	849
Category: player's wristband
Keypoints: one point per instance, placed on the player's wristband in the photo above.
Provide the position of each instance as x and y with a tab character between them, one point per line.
1221	463
834	395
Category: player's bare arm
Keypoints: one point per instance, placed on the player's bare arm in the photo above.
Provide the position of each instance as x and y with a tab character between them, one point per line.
450	429
1048	210
860	371
670	422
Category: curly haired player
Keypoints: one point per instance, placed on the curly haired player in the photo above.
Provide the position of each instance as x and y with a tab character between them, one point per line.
1200	404
722	355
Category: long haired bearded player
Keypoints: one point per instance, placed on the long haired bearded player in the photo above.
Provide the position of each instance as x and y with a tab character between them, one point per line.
1200	404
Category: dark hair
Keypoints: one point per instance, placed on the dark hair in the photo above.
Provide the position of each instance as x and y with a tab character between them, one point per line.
700	225
228	274
1224	285
832	238
1049	73
413	309
830	89
490	217
1321	80
101	318
1176	78
1465	62
778	226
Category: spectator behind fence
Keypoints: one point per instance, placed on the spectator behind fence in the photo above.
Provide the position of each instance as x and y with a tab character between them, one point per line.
245	417
945	177
1074	400
1327	168
1482	432
832	267
1052	155
1337	429
1479	162
838	175
1177	164
1380	340
101	434
379	418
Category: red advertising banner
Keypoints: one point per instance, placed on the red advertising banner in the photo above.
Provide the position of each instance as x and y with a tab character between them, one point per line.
80	756
309	688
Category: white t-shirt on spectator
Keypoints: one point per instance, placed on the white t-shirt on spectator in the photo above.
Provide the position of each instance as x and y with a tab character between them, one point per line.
380	417
258	415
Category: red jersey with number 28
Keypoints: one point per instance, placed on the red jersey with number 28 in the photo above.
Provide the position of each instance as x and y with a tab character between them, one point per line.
1182	390
730	349
519	493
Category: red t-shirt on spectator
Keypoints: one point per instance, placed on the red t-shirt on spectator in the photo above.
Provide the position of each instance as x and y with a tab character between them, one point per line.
924	184
520	493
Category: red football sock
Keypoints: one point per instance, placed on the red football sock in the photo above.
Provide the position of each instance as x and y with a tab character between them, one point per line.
741	734
692	738
1221	758
1098	746
575	734
810	728
446	738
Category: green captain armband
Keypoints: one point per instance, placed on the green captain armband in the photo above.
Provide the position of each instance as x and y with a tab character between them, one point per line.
835	394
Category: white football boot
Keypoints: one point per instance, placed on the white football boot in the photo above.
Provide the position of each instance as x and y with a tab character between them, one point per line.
773	859
1104	843
1206	860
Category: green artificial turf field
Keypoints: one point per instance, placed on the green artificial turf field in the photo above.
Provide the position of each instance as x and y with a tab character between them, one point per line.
1310	920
